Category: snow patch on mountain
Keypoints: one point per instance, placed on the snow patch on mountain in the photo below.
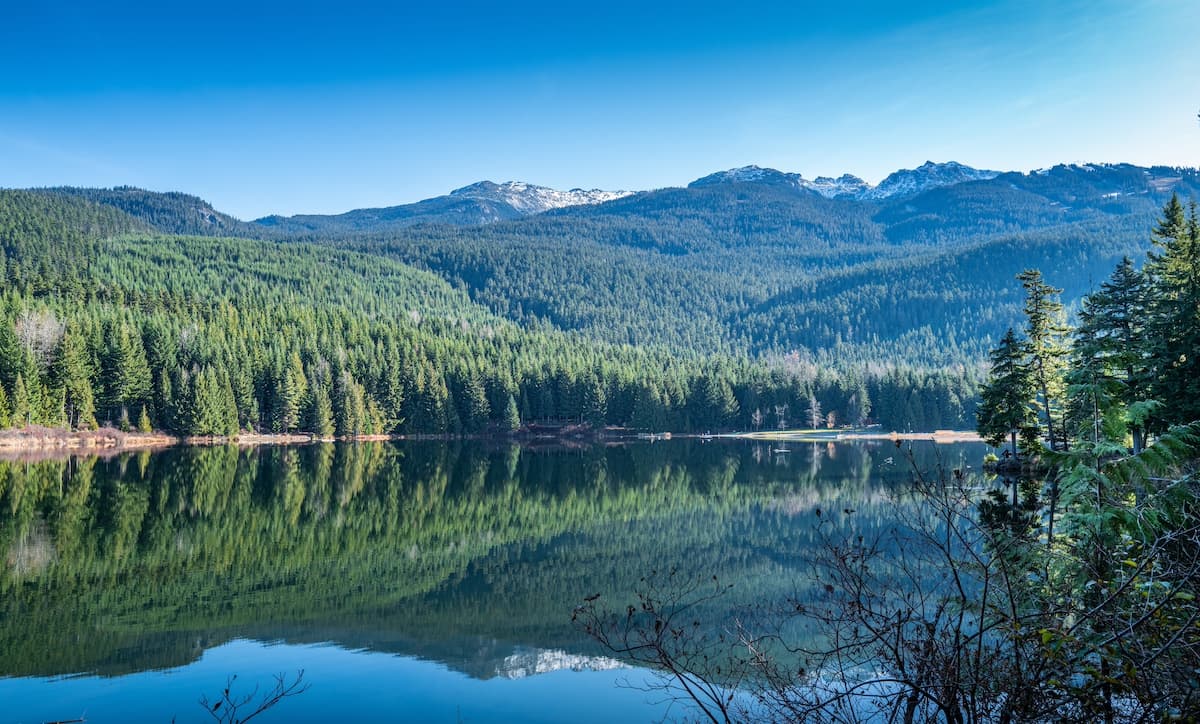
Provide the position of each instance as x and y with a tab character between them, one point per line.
530	199
930	175
844	185
527	662
750	175
907	182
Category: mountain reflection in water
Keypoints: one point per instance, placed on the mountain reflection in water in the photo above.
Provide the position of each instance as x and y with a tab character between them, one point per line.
469	555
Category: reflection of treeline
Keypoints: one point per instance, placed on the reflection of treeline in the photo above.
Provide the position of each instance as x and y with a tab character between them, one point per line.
152	553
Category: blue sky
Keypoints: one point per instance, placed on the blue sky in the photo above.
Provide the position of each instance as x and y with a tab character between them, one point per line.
323	107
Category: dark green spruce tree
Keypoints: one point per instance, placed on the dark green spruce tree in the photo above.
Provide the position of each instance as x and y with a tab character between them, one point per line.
1173	328
1109	379
1006	399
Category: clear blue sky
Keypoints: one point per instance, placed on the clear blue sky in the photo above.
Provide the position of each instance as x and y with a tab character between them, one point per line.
322	107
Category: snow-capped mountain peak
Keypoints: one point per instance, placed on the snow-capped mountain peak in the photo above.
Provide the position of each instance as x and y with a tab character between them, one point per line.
750	174
530	199
844	185
907	182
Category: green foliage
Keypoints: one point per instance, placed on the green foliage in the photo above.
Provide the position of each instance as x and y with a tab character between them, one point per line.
1109	378
1045	331
512	416
319	417
1130	367
1174	320
407	548
682	308
1005	408
22	412
213	336
1124	573
751	267
5	409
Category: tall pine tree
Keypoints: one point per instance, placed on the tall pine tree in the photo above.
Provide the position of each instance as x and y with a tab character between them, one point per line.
1045	331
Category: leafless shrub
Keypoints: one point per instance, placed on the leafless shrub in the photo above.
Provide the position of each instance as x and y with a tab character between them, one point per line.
40	333
232	708
968	610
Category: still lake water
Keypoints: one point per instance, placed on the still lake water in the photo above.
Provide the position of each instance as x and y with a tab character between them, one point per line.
410	581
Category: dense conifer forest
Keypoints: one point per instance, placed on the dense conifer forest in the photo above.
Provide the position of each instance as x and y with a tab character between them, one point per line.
107	322
1127	369
715	307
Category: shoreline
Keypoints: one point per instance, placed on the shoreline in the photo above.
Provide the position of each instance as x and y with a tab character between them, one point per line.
103	440
44	442
51	442
937	436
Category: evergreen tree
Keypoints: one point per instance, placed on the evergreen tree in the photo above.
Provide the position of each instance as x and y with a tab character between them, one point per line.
1005	409
168	415
12	356
351	408
53	410
1109	373
593	400
286	400
295	371
473	404
125	369
438	411
21	413
392	386
717	401
649	409
1047	352
228	411
858	408
512	417
1174	325
241	380
209	404
72	372
319	418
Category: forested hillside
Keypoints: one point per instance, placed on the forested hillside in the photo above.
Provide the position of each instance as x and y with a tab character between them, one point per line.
762	267
172	212
211	336
740	302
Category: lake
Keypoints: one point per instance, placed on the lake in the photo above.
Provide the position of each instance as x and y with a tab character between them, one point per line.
410	581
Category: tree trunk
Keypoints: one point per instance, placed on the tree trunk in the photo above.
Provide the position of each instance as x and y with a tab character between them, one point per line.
1045	390
910	708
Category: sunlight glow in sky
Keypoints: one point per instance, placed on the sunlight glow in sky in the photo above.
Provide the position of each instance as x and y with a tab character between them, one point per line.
307	107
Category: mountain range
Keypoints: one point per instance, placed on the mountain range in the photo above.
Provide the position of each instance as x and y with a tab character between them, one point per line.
487	202
1086	185
479	203
902	183
751	260
677	308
